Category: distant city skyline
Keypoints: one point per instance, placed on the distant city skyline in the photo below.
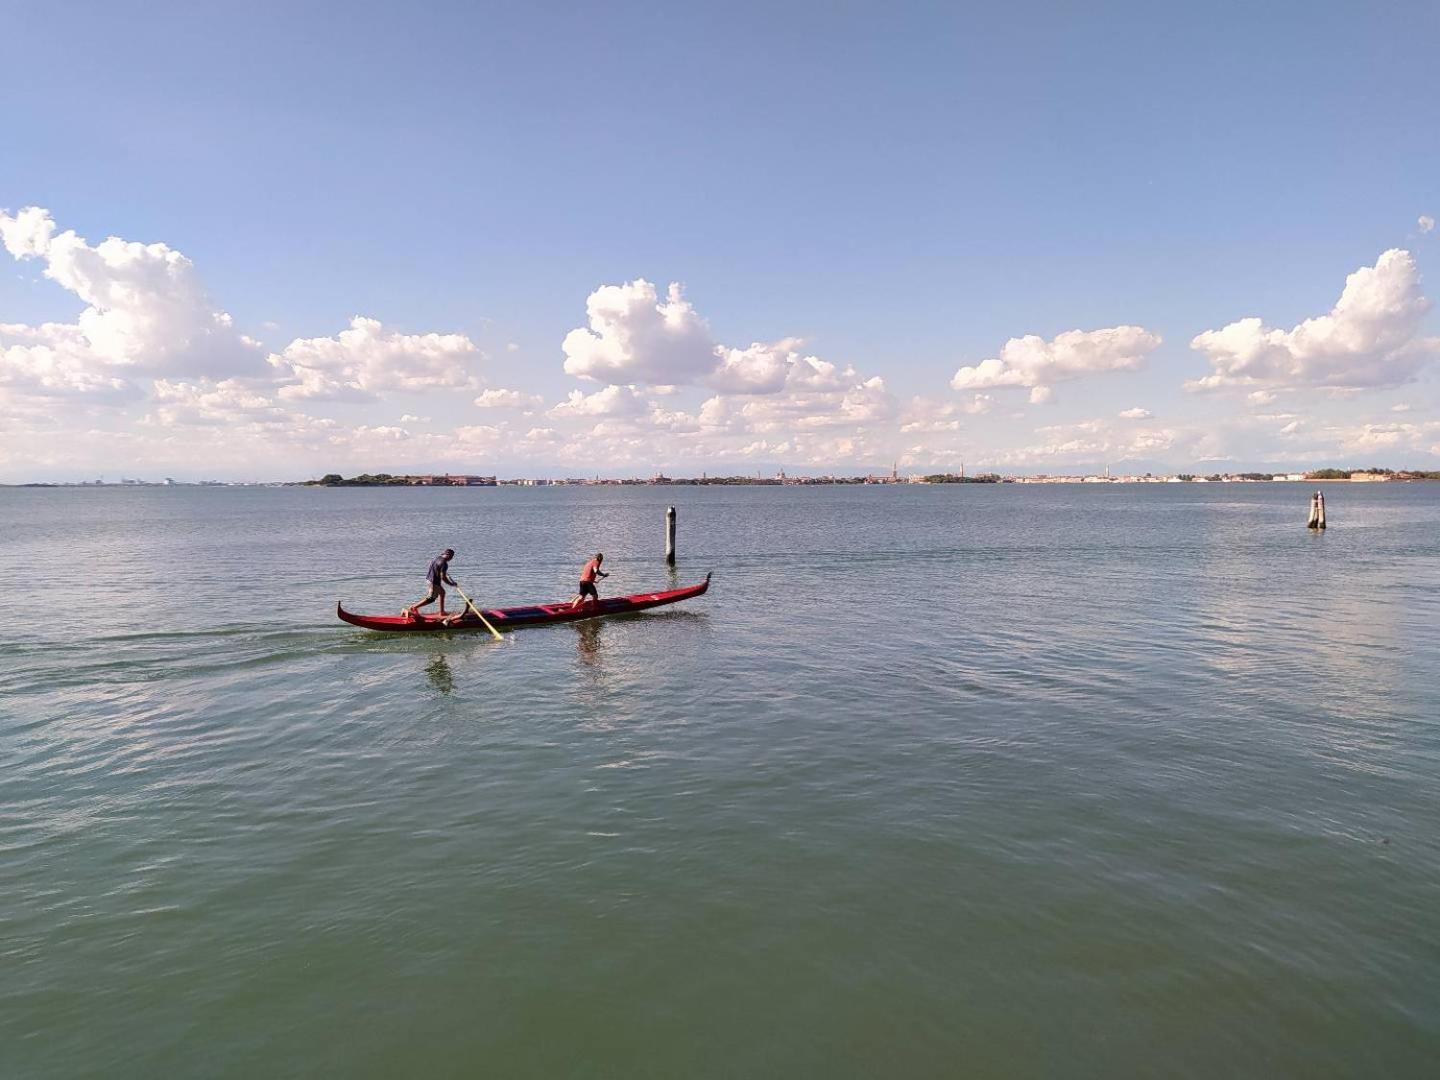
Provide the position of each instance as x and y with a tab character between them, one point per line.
550	243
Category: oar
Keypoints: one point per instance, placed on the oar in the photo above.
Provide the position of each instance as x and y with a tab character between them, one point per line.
478	612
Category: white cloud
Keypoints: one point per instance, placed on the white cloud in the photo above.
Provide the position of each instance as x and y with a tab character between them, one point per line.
1426	223
636	338
866	402
769	403
146	314
1364	438
769	369
1094	441
367	359
861	403
508	399
760	369
925	416
929	427
470	438
1041	395
978	404
54	361
638	343
1039	364
1369	339
227	402
612	401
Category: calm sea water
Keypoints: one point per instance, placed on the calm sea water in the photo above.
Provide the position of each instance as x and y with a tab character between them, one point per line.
980	781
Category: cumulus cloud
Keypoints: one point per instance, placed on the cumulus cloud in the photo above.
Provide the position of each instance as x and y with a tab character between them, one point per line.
147	317
638	342
769	369
1033	362
612	401
1354	440
634	337
508	399
861	403
367	359
926	416
146	313
1370	338
227	402
55	361
978	404
1136	413
760	369
929	416
1426	223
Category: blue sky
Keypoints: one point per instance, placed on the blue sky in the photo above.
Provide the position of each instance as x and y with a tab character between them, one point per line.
906	188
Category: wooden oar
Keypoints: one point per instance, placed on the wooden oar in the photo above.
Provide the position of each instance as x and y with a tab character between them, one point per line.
479	613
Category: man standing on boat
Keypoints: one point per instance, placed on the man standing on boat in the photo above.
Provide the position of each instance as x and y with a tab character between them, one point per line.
437	577
587	580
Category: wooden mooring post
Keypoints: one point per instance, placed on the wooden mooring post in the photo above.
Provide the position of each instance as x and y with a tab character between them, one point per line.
670	537
1317	511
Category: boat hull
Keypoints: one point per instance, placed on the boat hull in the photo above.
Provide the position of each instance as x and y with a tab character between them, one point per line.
529	615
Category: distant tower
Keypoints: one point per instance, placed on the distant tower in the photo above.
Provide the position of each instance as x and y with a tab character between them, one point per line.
895	471
962	468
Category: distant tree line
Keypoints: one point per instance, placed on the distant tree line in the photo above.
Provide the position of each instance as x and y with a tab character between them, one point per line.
363	480
1397	474
951	478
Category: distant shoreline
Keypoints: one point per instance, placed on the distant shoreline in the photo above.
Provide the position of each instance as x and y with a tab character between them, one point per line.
933	480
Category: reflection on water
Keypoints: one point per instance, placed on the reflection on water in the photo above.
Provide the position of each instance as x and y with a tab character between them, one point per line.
439	673
587	639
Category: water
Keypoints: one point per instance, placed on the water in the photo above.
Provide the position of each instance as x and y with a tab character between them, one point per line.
984	781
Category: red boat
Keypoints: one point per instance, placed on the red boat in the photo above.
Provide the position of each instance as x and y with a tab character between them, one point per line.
533	615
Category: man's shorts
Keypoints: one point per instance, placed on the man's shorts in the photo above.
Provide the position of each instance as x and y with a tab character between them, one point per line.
587	588
433	592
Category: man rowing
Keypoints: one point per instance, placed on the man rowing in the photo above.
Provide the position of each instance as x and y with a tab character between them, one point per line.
587	580
436	578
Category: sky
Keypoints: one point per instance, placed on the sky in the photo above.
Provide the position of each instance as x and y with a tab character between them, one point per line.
270	241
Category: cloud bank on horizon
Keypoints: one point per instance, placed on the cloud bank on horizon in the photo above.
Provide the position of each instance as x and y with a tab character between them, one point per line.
153	374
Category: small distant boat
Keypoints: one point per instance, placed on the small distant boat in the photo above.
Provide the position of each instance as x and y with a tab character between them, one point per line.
533	615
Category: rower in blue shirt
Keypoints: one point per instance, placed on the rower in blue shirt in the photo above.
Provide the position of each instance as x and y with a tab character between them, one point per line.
436	578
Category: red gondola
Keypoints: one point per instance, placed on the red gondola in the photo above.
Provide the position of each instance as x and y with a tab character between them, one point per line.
531	615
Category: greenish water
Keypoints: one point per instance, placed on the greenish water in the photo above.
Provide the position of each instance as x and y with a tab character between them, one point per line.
982	781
